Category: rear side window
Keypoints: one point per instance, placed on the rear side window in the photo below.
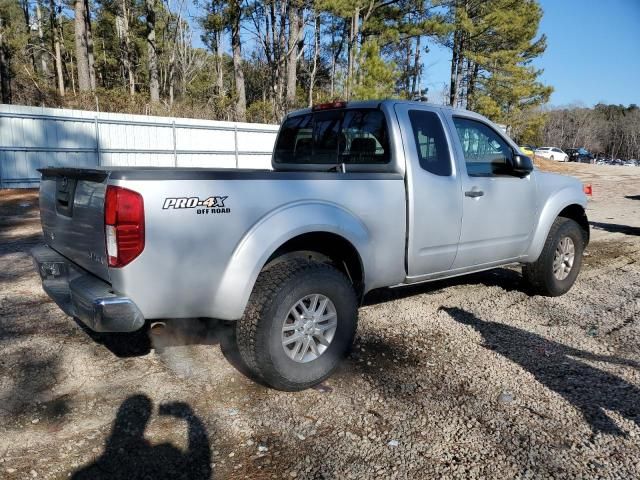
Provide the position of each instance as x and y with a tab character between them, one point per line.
486	153
334	136
431	144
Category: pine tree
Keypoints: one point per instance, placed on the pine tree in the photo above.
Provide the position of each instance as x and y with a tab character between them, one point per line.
377	77
493	43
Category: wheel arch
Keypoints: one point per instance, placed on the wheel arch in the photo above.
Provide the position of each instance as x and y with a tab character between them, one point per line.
577	213
326	247
321	229
568	203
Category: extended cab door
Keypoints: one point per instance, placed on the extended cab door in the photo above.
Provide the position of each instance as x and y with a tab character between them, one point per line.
434	204
499	208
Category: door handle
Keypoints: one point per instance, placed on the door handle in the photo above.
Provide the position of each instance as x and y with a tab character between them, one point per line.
474	193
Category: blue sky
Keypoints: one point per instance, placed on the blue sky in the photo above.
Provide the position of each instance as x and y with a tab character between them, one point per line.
593	53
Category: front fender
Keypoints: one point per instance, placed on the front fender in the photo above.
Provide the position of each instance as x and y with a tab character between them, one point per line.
554	204
272	231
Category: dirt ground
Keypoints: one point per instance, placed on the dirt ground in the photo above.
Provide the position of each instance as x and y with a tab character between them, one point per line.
470	378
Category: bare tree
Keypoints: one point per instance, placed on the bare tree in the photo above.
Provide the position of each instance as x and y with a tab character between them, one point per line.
352	48
82	54
5	73
89	35
44	66
126	54
154	86
190	61
235	14
57	52
296	29
316	54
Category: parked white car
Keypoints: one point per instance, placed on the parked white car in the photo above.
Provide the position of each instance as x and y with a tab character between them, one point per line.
552	153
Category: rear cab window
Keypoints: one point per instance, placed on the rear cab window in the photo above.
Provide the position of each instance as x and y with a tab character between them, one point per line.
431	143
349	136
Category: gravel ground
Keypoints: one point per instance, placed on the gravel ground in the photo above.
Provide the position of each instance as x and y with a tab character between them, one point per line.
470	378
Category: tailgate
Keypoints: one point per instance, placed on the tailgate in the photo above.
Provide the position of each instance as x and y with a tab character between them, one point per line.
72	215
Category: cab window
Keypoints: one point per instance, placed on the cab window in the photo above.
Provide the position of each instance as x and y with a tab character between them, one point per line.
431	144
486	153
334	136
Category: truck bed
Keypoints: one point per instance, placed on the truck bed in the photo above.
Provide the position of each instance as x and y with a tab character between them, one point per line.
191	246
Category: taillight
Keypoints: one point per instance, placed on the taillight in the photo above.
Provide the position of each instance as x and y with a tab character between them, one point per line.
124	225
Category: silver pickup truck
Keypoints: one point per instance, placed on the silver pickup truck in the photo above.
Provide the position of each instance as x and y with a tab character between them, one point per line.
362	195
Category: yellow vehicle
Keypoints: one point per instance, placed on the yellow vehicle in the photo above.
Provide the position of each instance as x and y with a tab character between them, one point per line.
527	150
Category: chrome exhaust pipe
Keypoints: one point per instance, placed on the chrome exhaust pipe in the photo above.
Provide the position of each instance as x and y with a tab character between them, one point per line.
157	328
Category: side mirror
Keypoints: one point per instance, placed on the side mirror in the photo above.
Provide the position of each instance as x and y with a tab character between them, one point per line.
521	165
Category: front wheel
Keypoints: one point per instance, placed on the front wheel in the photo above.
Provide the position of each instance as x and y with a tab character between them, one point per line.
555	271
298	325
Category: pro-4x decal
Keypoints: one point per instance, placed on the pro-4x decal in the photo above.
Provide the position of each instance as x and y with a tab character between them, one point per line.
208	205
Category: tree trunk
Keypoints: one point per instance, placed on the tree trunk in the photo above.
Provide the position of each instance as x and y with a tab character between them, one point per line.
333	59
154	85
455	58
122	25
55	38
417	68
458	75
44	66
70	72
353	40
408	70
24	5
172	75
337	51
104	70
241	99
281	60
292	60
90	57
316	53
82	54
5	74
471	87
220	65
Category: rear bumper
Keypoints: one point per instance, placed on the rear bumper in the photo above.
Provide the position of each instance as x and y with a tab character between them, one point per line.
84	296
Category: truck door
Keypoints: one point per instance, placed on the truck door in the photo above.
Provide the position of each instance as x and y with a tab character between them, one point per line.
498	208
434	205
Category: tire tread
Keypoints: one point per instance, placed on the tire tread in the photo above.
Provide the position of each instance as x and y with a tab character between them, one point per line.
535	274
266	288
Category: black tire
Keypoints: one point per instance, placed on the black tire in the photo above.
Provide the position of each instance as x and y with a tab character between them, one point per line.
540	275
259	333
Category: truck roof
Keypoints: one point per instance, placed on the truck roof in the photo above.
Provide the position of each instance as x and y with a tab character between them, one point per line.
378	103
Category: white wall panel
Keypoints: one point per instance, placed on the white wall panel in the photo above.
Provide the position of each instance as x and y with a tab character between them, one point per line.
33	137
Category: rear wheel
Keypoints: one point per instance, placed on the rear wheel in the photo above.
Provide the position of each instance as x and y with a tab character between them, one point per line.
298	325
555	271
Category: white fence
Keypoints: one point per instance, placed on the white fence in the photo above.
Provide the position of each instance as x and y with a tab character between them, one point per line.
32	138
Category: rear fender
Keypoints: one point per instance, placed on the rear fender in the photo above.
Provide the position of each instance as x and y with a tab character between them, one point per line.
272	231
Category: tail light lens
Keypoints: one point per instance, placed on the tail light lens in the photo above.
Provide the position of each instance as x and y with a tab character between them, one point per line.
124	225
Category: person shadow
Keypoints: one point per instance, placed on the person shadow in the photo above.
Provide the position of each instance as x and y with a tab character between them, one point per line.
128	455
589	389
